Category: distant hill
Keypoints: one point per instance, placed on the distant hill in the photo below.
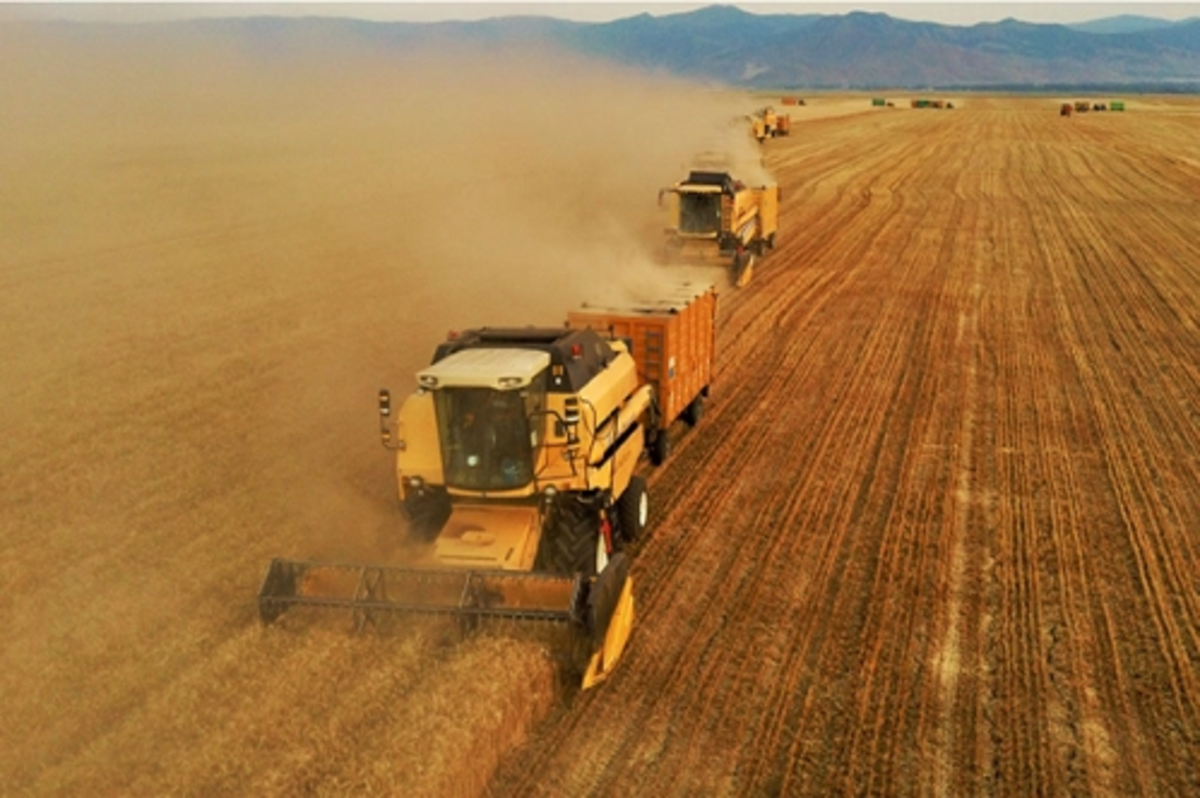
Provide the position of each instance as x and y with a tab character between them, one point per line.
1124	23
726	45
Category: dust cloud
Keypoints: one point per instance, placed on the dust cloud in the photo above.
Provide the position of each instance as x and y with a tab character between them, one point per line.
213	252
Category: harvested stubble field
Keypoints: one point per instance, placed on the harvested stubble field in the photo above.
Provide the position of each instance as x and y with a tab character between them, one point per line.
936	532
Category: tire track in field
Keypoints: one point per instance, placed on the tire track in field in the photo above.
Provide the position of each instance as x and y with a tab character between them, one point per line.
1092	304
909	546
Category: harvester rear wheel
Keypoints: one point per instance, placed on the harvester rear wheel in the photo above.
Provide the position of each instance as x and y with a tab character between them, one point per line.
569	541
633	509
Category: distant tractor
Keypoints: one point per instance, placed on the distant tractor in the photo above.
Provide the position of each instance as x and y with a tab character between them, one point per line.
878	102
1066	109
1082	106
1117	105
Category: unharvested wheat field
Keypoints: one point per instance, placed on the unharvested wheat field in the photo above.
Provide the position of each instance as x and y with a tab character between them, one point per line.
936	533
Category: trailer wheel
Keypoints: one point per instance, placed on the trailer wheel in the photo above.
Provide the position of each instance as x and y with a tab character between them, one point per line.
660	448
569	539
633	510
694	411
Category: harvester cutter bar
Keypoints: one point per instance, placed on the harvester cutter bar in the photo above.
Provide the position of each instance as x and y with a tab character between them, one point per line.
465	594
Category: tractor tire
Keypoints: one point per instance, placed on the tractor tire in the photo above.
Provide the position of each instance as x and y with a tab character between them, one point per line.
604	595
427	512
694	411
633	510
569	540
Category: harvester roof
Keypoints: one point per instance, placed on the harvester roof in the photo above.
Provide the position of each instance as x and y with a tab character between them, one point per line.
499	369
577	355
710	181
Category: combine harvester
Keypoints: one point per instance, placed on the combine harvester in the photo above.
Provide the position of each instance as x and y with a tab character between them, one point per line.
714	219
516	461
767	123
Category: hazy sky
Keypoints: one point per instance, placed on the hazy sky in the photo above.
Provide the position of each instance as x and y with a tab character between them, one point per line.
953	13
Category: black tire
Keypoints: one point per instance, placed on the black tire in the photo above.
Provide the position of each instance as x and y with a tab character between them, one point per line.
604	596
427	511
694	411
660	447
633	509
568	544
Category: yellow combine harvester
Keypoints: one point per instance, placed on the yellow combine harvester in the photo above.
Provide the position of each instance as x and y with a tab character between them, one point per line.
764	124
515	460
715	219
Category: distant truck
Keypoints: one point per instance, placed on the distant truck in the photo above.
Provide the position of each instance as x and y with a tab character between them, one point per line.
716	219
673	341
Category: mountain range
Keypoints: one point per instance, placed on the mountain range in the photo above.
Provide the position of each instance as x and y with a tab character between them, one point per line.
857	50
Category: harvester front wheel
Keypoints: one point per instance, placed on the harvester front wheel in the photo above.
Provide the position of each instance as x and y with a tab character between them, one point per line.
569	543
633	510
427	512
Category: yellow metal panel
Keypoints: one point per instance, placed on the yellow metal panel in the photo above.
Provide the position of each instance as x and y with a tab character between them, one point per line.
417	434
492	536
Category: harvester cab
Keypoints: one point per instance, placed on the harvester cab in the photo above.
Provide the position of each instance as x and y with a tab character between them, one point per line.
515	462
715	219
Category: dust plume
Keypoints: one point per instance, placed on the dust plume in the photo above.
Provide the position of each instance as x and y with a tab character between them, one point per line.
215	252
